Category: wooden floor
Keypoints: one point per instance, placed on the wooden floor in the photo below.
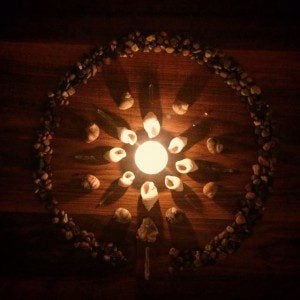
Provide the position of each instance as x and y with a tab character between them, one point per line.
36	261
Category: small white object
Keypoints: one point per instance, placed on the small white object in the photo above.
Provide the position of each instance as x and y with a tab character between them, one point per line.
149	194
115	154
186	165
126	101
92	132
126	179
127	136
174	183
177	144
180	107
151	125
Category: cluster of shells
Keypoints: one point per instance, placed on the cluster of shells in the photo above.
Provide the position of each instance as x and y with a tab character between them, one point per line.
257	190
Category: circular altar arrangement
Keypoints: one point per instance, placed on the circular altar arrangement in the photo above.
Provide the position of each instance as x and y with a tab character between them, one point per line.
151	157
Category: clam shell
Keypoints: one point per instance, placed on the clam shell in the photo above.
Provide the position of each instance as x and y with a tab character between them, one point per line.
126	179
122	215
210	189
177	144
127	136
174	183
90	182
115	154
186	165
93	132
149	194
151	125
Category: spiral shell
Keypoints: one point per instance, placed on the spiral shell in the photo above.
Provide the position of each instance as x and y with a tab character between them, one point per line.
90	182
126	101
174	183
149	194
186	165
126	179
92	132
127	136
115	154
175	215
180	107
148	231
177	144
210	189
151	125
214	146
122	215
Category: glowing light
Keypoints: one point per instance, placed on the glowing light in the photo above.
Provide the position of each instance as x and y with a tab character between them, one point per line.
151	157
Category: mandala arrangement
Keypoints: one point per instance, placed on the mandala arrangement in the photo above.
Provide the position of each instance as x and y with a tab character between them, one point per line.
257	190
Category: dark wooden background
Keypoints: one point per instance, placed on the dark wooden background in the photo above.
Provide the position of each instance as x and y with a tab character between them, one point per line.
39	42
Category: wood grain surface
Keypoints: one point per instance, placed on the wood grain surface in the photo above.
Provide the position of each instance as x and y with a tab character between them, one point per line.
39	45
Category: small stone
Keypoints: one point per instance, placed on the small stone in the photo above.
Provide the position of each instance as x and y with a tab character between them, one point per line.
69	235
170	50
175	215
210	190
255	90
240	219
214	146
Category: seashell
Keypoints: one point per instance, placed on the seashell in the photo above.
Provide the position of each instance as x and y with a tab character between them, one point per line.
126	101
90	182
177	144
174	183
186	165
127	136
149	194
126	179
210	189
122	215
92	133
214	146
175	215
180	107
115	154
151	125
148	231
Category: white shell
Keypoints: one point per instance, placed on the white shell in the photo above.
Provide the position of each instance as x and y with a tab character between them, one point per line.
174	183
175	215
210	189
214	146
122	215
126	179
180	107
126	102
177	144
186	165
127	136
151	125
92	132
148	231
149	194
115	154
90	182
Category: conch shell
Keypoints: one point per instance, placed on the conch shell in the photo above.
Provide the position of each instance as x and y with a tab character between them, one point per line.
177	144
214	146
122	215
186	165
148	231
126	101
92	133
115	154
180	107
126	179
174	183
210	189
127	136
151	125
149	194
175	215
90	182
